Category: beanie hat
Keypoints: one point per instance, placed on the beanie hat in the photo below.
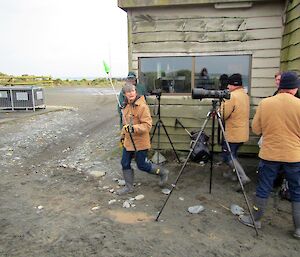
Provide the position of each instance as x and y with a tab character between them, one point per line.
128	87
289	80
235	80
131	75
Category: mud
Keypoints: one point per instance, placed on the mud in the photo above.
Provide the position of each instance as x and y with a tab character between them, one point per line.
51	205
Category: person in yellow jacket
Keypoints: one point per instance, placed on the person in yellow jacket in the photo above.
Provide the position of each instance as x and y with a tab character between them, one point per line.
235	112
277	119
137	123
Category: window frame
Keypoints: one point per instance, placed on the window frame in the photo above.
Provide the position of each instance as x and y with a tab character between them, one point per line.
193	56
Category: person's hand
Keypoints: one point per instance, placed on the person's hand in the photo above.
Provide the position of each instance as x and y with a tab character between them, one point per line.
128	128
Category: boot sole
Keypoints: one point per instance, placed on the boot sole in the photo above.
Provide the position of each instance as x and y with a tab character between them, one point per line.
249	224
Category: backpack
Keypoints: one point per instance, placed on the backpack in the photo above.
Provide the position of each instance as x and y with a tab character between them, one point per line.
201	151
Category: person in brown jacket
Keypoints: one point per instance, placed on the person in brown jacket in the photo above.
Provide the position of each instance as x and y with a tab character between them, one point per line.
235	112
137	123
277	118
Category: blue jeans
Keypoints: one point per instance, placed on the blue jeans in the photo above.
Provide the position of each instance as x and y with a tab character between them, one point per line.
268	171
234	147
140	157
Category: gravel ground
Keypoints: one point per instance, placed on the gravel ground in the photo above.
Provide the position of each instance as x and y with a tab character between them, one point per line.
59	173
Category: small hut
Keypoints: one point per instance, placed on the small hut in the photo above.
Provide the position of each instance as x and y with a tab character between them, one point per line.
176	46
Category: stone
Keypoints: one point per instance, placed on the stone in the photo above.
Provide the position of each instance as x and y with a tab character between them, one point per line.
126	204
196	209
139	197
121	182
237	210
166	191
97	173
112	201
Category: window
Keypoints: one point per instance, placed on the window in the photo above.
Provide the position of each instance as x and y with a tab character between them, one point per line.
179	75
211	71
171	74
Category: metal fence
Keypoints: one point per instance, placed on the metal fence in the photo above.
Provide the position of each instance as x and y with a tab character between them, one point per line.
21	98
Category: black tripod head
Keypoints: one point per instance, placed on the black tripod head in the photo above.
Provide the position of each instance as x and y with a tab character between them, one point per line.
156	92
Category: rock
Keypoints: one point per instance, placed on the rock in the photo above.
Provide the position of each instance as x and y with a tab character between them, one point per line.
112	201
195	209
40	207
97	173
236	210
139	197
126	204
121	182
95	208
111	190
181	198
166	191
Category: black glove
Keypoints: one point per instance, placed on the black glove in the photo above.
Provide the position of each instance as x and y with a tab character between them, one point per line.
128	128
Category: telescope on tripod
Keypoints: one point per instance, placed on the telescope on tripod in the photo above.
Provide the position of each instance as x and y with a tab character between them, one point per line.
217	96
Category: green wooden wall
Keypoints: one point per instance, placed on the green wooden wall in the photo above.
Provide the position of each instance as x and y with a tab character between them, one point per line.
290	53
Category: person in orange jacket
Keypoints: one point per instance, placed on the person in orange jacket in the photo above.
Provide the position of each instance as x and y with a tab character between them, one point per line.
235	112
137	123
277	119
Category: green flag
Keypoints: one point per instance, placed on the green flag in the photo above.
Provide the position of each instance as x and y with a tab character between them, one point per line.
106	67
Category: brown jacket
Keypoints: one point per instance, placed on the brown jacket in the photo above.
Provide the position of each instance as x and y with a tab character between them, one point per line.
140	115
277	118
236	115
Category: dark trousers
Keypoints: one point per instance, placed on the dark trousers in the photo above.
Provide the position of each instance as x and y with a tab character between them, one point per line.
140	157
234	147
268	171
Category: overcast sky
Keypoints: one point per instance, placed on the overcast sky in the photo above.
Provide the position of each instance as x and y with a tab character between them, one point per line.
62	38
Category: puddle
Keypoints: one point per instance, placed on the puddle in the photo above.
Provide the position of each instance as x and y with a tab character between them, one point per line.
129	217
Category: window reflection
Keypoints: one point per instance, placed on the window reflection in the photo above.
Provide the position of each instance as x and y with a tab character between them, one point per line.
174	74
218	67
171	74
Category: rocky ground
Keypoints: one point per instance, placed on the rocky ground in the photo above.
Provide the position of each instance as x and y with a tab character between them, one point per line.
60	169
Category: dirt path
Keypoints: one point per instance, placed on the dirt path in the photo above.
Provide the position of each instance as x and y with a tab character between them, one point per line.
51	205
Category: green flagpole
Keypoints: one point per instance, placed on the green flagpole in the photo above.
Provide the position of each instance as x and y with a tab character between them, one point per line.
107	71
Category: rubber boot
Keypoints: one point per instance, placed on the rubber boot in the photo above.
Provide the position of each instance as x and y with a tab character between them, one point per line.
129	178
228	173
296	218
161	172
244	178
258	211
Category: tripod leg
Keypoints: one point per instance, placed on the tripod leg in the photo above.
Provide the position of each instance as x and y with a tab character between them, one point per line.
154	131
183	166
170	141
238	175
212	150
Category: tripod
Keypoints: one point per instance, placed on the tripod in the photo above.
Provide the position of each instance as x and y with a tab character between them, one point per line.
159	123
213	113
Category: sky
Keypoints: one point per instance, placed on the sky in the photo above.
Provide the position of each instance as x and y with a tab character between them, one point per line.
63	38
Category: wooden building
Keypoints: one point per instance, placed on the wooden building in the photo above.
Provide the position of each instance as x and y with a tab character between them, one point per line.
171	44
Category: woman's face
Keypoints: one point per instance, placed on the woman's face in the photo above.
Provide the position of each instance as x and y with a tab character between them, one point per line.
130	95
277	80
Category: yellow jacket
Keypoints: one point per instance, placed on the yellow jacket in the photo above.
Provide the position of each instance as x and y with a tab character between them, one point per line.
277	118
139	115
236	114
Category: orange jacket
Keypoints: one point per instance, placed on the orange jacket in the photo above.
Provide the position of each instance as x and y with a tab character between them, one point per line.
236	115
138	114
277	118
